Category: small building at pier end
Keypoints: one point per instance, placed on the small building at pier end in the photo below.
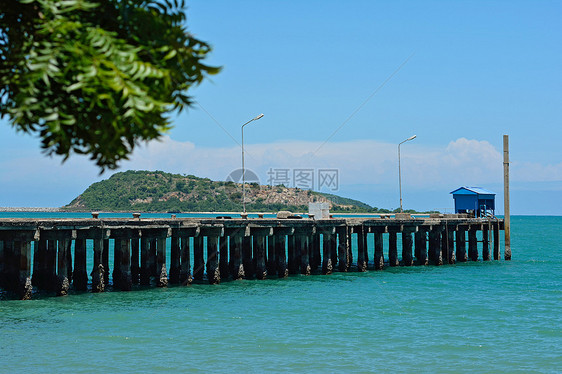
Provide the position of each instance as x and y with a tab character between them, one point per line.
476	201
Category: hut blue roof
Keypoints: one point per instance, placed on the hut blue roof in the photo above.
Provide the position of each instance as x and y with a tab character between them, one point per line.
472	191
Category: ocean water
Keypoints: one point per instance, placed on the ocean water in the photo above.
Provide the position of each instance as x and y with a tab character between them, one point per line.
500	317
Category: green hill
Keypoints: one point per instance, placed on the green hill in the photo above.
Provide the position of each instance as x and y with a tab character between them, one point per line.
157	191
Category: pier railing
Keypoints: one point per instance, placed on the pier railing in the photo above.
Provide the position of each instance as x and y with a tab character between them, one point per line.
51	254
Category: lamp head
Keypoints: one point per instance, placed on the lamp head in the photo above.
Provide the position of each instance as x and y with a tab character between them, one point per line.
258	117
411	138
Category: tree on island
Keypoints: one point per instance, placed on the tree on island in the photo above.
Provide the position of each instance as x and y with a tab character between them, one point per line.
96	77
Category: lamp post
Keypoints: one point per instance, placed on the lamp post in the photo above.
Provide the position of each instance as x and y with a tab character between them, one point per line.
399	172
243	169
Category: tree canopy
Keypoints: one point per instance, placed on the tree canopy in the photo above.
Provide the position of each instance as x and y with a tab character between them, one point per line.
96	77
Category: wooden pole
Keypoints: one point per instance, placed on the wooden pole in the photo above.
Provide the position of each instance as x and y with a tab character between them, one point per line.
327	266
507	231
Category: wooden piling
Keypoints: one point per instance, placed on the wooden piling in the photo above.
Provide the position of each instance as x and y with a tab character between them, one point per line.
135	261
496	231
185	262
40	277
126	276
247	257
379	255
175	260
21	273
198	261
63	283
152	262
105	261
316	258
162	277
80	276
485	243
392	249
304	241
237	269
361	249
451	245
407	259
435	246
260	255
327	244
213	272
281	255
343	250
117	255
223	257
98	283
293	254
421	247
472	244
146	261
461	245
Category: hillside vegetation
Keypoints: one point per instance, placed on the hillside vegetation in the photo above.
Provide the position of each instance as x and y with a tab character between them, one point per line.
157	191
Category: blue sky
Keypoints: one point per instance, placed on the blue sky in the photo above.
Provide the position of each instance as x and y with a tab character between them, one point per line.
459	75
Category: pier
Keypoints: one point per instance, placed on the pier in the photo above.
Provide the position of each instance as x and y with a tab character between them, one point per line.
52	255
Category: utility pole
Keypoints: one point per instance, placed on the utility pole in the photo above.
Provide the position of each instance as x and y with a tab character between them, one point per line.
507	231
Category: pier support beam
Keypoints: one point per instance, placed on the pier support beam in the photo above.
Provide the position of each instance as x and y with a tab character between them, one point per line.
293	252
281	254
485	243
421	247
213	272
496	228
162	275
63	283
117	255
223	257
122	264
461	245
145	258
259	254
379	255
247	257
472	244
198	260
98	271
435	245
185	262
392	249
237	269
175	260
135	257
328	241
105	260
343	250
80	275
361	249
304	241
17	268
316	258
407	258
451	245
40	269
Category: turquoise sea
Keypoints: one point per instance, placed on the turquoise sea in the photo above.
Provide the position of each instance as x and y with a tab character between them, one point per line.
499	317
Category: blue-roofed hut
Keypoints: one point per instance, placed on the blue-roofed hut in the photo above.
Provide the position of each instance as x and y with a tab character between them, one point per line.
474	200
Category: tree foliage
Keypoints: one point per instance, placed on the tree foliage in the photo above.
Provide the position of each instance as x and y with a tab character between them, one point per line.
96	77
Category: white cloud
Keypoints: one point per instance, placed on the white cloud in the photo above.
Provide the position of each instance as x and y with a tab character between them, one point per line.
34	177
462	161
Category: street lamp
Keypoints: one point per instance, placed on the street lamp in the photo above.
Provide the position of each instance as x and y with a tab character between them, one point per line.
243	169
399	172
